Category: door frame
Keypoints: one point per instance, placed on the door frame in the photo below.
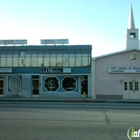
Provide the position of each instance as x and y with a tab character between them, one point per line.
2	87
36	95
131	89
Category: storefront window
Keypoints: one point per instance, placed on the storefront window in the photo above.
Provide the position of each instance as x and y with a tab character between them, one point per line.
14	84
51	83
69	84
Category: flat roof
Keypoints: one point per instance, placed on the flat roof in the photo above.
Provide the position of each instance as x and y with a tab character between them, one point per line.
45	47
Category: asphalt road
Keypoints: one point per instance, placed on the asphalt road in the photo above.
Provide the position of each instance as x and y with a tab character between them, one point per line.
66	121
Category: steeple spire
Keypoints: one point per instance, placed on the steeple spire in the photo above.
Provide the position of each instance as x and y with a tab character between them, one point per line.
132	34
131	20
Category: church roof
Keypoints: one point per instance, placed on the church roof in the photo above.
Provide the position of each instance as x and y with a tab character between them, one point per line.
115	53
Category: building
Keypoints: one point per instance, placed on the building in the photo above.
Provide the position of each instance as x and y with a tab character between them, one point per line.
45	70
117	75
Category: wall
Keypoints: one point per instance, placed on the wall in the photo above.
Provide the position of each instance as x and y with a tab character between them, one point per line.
109	83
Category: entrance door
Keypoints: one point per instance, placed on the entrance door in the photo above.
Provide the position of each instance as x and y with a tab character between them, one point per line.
35	85
131	90
1	86
84	84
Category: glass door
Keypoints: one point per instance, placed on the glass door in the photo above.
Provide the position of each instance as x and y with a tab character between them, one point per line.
1	86
84	85
35	85
131	90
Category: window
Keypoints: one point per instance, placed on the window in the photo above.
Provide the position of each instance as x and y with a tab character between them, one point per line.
28	59
133	56
59	59
85	59
21	59
46	59
34	59
130	85
136	86
53	59
78	59
132	35
69	84
15	59
72	59
14	84
133	86
125	85
51	83
9	59
65	59
40	59
3	59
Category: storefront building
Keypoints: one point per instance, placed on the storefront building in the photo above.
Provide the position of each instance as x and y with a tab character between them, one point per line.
45	71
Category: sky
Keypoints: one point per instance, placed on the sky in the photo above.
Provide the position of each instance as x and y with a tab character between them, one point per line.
100	23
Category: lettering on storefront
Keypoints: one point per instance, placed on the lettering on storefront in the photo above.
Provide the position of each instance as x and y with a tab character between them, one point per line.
124	69
55	70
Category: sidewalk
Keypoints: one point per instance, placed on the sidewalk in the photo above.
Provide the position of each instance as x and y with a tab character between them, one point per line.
59	99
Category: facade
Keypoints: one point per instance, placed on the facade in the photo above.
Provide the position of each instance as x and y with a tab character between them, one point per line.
45	71
117	75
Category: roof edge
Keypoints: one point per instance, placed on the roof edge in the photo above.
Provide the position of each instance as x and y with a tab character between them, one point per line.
114	53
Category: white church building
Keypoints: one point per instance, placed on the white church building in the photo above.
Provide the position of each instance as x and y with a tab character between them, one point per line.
117	75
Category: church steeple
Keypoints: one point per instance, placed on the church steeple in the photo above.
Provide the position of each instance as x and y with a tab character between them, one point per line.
131	20
132	34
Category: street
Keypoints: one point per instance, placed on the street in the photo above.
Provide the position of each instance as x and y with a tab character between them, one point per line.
67	121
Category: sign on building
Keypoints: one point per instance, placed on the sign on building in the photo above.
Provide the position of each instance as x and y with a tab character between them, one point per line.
12	42
54	41
124	69
5	70
55	70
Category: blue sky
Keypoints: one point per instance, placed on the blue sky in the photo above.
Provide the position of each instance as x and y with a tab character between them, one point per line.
101	23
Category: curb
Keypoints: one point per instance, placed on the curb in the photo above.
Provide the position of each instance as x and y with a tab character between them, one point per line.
68	100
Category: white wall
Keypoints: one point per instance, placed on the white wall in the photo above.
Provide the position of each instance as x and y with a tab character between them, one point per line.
108	83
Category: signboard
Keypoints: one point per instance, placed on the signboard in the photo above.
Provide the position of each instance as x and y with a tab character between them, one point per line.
5	70
54	41
66	70
55	70
124	69
10	42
